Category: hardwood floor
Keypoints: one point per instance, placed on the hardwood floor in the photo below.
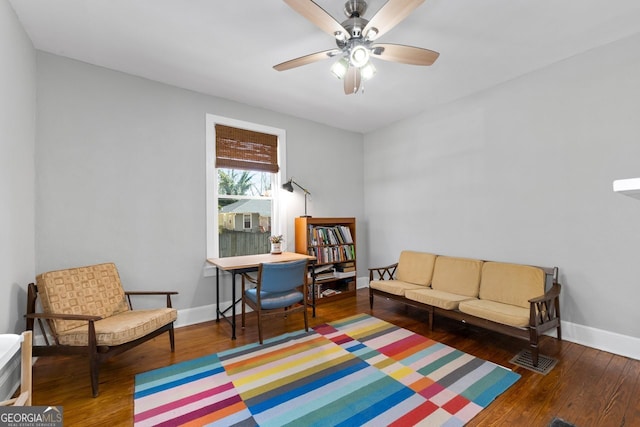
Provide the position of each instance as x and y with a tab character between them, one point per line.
587	387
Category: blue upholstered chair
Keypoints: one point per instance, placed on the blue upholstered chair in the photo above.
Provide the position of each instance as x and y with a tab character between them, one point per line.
280	289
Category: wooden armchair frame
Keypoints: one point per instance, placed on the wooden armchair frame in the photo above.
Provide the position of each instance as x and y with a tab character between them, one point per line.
97	353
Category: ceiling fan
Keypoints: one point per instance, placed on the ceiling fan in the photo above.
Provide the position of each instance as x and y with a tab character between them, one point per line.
355	39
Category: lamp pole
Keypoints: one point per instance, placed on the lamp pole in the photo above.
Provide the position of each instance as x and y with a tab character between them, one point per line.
289	187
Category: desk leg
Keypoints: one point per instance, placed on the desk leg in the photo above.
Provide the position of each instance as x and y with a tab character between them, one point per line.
233	306
217	295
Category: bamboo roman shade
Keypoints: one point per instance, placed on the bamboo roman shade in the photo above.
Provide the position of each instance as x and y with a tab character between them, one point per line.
245	149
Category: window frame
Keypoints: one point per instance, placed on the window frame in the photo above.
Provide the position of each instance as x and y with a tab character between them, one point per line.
244	221
278	225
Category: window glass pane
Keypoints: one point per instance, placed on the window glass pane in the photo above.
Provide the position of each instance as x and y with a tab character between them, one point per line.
244	212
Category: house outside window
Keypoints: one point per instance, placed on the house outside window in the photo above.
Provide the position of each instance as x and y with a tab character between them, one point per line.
242	210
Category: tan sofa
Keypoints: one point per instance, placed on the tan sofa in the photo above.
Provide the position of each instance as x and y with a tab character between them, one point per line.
518	300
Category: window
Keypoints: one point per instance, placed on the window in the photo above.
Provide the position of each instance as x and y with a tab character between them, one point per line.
244	175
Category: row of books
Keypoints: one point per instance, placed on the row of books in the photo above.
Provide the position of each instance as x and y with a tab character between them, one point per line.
332	254
333	274
333	235
335	288
334	271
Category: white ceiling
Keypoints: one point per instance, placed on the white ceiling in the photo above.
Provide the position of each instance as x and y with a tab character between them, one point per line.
227	48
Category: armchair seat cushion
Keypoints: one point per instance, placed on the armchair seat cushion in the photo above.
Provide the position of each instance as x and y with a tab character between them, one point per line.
274	300
436	298
120	328
394	287
497	312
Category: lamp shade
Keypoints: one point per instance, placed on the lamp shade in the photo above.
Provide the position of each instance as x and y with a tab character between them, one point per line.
288	186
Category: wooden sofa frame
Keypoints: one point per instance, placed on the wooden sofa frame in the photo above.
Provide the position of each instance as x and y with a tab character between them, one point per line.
544	311
97	354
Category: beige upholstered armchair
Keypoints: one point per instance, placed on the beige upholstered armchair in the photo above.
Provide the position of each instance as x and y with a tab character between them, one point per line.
88	312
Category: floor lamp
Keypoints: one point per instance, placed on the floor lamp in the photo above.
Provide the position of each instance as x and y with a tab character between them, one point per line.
289	187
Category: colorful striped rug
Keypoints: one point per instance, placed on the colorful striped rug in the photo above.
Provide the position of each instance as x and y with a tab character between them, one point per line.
356	371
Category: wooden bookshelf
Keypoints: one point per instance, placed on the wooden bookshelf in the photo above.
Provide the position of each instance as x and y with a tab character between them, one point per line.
333	242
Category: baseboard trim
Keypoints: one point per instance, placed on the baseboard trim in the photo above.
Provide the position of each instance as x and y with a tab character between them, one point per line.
611	342
207	313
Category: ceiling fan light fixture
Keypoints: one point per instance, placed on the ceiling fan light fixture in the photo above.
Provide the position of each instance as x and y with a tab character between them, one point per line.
355	40
368	71
359	56
340	67
371	34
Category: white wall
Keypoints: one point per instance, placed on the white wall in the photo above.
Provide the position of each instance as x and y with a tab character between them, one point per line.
523	173
17	138
121	175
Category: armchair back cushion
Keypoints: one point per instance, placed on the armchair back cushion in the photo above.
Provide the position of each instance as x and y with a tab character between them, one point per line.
93	290
415	267
459	276
511	283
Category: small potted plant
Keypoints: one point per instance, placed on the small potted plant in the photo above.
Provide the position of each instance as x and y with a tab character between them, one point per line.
276	244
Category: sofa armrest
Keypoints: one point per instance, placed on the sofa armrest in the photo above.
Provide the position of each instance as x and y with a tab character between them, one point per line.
545	309
384	273
134	293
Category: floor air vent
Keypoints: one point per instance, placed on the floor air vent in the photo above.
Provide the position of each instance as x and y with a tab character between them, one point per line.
545	363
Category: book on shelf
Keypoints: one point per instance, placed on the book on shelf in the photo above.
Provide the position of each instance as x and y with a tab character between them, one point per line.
346	266
321	268
325	276
324	272
344	274
329	293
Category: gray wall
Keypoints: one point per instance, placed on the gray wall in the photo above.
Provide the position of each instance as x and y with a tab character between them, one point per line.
17	139
519	173
121	175
523	173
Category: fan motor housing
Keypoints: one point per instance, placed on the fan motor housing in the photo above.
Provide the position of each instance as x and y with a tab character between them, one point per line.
355	26
355	8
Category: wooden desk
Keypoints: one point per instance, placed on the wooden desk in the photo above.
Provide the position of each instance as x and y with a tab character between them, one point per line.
243	264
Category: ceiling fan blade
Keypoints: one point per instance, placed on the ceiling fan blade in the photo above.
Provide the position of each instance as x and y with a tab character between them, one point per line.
404	54
389	16
307	59
352	81
320	17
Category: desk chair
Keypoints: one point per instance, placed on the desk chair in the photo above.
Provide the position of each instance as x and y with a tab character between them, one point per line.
280	288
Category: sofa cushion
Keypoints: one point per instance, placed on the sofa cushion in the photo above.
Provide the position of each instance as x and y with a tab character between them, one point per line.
457	275
415	267
506	314
120	328
394	287
94	290
445	300
511	283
